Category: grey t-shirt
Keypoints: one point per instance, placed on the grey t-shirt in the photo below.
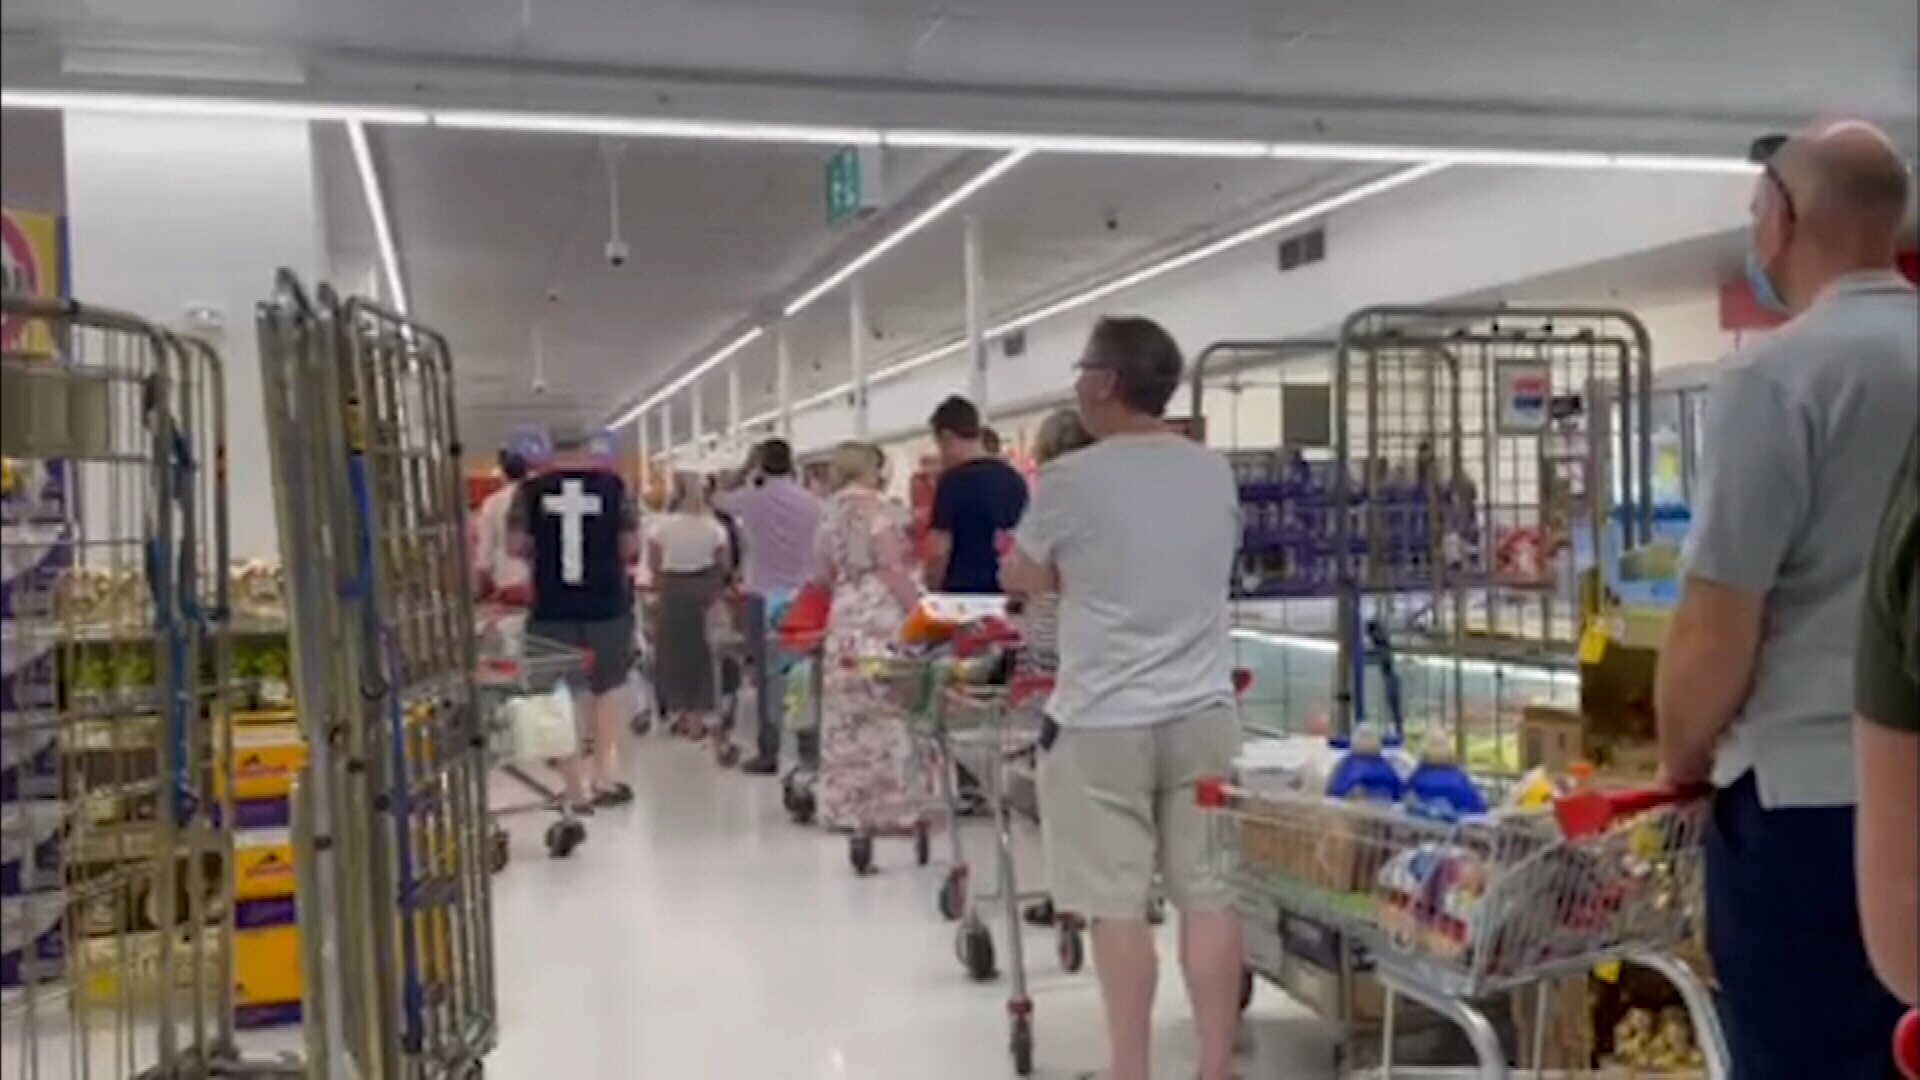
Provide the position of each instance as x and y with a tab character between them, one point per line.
1804	430
1143	530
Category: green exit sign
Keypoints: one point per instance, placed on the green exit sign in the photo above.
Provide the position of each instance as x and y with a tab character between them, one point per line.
846	193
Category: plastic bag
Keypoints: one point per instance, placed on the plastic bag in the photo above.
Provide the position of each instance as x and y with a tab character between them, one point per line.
543	726
804	621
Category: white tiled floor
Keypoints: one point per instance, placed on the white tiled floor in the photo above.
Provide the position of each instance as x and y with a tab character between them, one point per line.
699	934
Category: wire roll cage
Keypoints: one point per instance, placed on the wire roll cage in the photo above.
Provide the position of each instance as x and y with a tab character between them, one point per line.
391	823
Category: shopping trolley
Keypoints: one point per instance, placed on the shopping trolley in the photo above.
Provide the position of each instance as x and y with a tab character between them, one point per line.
1454	913
994	728
514	666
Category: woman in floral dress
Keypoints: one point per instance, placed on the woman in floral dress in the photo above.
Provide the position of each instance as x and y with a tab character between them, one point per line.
871	780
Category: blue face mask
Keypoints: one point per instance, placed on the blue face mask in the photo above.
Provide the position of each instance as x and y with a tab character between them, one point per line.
1762	283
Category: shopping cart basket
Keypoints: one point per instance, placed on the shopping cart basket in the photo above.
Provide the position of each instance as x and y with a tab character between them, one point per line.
516	666
992	728
1454	913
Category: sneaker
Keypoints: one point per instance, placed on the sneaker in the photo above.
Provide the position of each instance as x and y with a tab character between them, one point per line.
761	765
616	795
1039	913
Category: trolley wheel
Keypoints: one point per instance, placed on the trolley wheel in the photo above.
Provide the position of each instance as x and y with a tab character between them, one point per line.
860	854
974	944
726	754
564	836
952	897
499	849
1072	948
922	844
1021	1044
802	807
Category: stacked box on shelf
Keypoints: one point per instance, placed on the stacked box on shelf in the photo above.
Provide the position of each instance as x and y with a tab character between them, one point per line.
268	752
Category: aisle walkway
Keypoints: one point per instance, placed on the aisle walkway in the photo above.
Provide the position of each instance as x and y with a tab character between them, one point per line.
700	935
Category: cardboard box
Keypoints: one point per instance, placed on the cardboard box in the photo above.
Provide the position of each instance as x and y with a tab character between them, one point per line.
263	864
1551	738
265	761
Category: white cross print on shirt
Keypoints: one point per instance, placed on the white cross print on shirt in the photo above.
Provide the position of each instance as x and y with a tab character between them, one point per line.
572	506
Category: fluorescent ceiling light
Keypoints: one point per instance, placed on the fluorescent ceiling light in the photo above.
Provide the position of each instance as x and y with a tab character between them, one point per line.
238	108
639	127
377	210
919	221
1080	144
719	357
1146	273
1523	159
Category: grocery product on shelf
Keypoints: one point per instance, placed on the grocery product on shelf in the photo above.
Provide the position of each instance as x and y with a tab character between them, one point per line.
1365	771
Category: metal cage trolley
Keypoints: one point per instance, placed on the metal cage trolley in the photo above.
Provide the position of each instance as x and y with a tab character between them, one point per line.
1454	913
514	668
116	764
391	829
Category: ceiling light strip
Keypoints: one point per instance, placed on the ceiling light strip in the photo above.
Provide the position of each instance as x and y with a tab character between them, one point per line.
725	353
641	127
899	236
377	210
1146	273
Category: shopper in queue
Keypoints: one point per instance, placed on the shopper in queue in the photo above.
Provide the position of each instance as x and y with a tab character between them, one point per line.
688	552
870	776
579	529
1804	430
777	519
976	502
1137	535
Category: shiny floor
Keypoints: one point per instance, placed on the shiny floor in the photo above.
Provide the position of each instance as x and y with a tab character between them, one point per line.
700	934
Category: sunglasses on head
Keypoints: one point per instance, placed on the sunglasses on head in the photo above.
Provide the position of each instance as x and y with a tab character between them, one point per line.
1762	152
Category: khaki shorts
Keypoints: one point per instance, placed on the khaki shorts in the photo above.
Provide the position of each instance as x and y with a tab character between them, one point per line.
1117	807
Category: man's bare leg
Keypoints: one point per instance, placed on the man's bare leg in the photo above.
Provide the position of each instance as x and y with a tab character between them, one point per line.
607	724
1127	965
1212	954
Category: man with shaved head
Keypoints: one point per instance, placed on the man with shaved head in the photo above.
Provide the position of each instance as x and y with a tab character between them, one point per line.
1804	431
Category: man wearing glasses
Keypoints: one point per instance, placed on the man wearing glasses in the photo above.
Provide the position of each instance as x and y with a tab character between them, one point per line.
1804	431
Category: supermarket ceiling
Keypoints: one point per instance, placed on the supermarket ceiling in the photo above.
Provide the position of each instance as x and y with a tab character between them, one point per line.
1667	74
503	241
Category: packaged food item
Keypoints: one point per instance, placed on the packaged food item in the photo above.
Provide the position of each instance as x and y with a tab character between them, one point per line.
1535	791
1439	788
1364	772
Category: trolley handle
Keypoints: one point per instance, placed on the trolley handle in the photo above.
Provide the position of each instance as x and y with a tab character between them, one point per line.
1586	813
1906	1045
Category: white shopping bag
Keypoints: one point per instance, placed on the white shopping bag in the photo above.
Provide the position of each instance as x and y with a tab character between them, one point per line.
543	726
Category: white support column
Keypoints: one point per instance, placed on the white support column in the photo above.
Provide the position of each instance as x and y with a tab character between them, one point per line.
168	214
783	382
646	453
666	440
976	314
699	423
857	353
735	437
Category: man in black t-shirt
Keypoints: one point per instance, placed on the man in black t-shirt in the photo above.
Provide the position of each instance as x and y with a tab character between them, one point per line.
579	529
976	503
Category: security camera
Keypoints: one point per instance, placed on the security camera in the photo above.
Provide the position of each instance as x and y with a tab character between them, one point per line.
617	252
540	386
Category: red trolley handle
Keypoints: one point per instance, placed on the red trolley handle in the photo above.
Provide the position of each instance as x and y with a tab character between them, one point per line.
1588	812
1906	1045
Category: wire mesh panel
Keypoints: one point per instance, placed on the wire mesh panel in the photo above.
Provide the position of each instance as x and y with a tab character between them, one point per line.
1475	447
115	746
393	833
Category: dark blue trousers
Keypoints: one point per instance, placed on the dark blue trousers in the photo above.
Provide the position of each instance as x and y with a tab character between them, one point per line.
1798	996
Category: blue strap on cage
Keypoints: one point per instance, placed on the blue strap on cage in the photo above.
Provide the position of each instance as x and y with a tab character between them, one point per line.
175	610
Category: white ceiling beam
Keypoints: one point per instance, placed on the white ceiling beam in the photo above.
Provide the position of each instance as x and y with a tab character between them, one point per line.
371	189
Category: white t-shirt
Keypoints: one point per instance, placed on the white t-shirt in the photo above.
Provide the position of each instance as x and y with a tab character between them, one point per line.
492	558
1143	531
689	543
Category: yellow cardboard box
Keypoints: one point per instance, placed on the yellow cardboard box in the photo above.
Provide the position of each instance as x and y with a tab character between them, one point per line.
263	864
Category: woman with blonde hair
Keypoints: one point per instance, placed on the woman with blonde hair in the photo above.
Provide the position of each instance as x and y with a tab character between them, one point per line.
870	775
687	553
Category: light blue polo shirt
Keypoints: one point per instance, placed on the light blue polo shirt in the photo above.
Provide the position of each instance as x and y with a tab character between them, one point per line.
1804	430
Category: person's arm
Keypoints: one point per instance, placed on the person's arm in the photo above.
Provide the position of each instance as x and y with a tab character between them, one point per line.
1886	744
520	523
656	555
894	562
1754	492
946	496
1031	568
630	539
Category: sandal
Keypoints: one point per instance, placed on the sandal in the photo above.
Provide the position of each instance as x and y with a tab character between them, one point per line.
613	795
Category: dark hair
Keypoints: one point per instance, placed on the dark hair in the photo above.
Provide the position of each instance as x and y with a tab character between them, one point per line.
513	466
1145	361
957	417
774	457
990	440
